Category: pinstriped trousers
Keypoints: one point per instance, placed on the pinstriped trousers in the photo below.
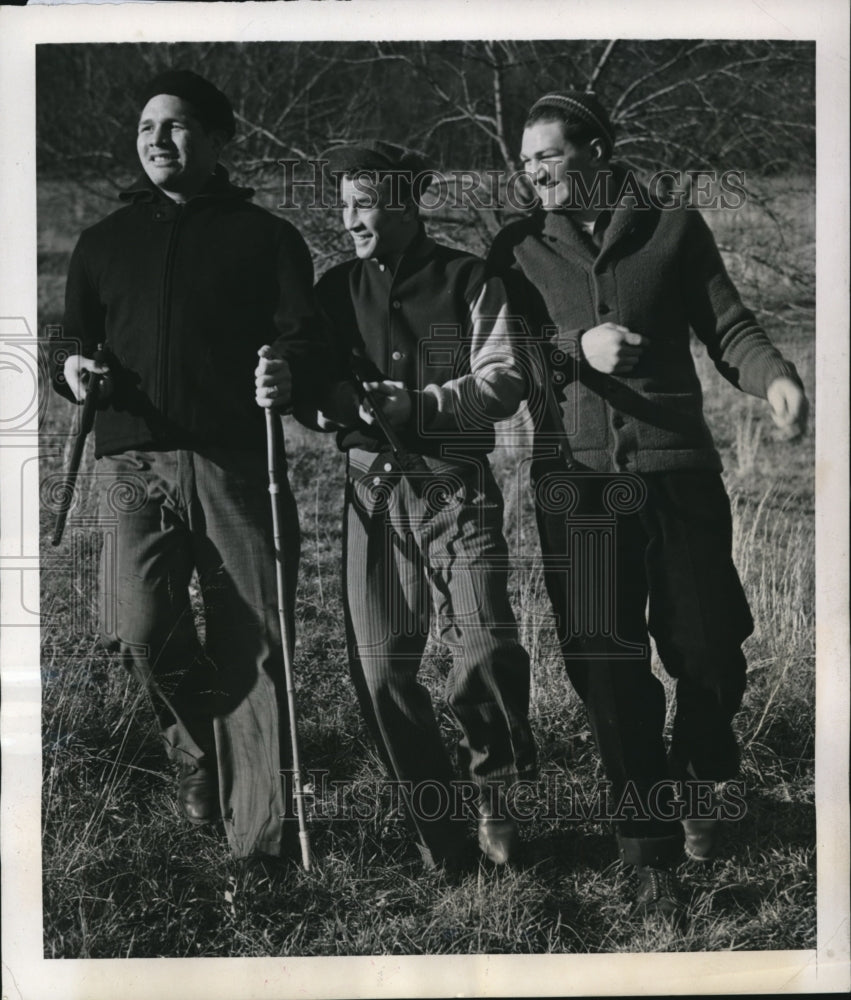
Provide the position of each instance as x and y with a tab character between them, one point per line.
411	554
223	704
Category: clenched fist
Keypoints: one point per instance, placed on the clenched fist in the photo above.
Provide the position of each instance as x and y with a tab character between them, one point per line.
789	408
394	399
612	349
79	371
272	379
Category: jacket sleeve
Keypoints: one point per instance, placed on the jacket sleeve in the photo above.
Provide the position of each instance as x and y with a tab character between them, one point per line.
296	320
334	402
495	385
738	345
84	319
551	356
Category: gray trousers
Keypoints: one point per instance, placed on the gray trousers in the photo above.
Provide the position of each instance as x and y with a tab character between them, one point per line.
410	555
221	704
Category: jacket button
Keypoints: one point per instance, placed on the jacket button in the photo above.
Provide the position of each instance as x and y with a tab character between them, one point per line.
397	304
388	467
618	420
397	355
603	308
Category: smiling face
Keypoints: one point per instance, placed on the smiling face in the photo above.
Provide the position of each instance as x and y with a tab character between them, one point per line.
177	153
376	229
553	163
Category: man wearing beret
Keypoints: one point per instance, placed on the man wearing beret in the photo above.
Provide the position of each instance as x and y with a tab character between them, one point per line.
622	282
423	532
183	285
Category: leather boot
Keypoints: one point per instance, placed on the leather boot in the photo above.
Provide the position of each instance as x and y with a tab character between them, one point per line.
659	894
198	794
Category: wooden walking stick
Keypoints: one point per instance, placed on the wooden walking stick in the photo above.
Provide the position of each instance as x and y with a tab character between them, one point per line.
280	578
87	420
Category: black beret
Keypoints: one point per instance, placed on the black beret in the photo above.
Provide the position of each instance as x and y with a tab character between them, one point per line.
387	157
211	107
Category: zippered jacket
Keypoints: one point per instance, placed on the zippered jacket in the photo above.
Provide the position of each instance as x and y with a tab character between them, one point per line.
658	273
183	296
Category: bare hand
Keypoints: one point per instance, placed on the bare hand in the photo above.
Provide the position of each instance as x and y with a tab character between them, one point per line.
612	349
79	370
394	399
272	379
789	408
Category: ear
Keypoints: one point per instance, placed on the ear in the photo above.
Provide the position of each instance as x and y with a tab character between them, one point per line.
598	150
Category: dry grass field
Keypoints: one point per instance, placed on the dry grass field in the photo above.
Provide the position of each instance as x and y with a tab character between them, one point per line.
125	877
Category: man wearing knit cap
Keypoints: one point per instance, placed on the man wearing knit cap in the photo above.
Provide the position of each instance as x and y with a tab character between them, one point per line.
181	287
419	323
621	285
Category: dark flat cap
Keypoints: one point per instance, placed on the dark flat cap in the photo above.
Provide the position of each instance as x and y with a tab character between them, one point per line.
210	105
375	154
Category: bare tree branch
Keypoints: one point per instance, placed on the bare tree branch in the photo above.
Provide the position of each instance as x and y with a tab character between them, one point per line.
601	63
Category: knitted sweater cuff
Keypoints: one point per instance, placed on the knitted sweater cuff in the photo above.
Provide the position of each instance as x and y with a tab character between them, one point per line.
570	342
779	368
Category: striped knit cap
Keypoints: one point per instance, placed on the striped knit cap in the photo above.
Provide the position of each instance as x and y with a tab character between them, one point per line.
581	106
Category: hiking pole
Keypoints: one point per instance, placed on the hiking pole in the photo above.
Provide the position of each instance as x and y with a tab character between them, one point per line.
66	496
280	579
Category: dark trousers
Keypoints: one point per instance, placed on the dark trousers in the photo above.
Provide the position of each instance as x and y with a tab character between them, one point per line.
612	544
409	556
221	704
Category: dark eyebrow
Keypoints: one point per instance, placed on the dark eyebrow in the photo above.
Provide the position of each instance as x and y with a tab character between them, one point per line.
539	153
166	121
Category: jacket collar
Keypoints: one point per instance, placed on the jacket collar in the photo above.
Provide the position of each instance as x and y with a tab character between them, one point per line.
626	219
420	247
218	185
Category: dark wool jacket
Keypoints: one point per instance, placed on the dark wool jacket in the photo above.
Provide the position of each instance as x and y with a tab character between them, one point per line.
437	325
184	296
658	273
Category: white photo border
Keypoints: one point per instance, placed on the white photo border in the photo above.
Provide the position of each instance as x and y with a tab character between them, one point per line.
26	974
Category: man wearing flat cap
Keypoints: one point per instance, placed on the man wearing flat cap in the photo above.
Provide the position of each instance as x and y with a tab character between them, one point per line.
419	324
621	282
181	287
